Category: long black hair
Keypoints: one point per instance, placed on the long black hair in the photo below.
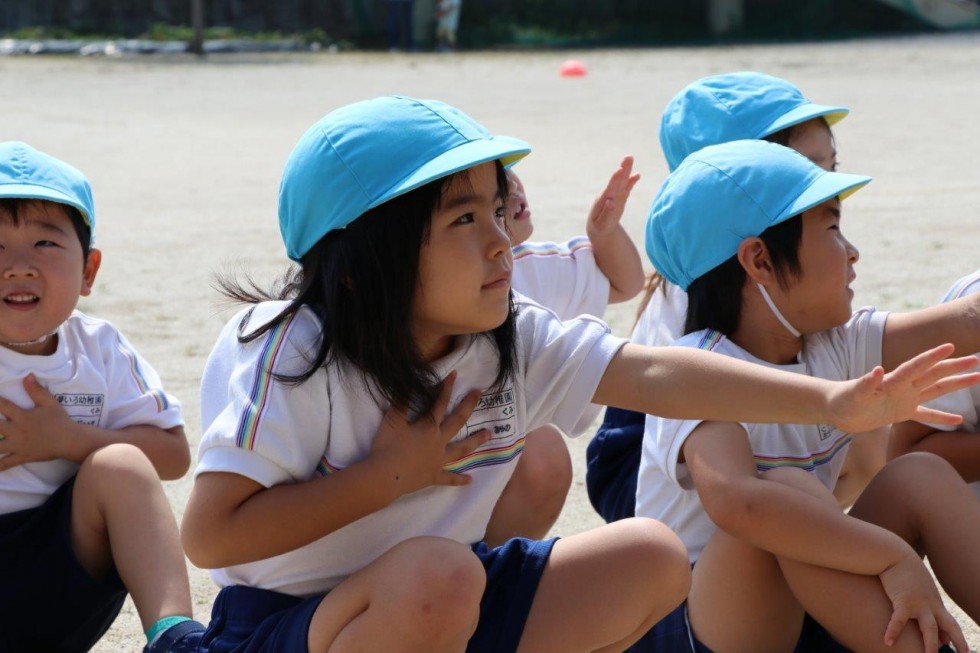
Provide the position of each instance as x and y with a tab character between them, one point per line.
360	281
714	300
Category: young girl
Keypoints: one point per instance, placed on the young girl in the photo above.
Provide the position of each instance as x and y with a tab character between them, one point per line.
709	111
360	428
752	231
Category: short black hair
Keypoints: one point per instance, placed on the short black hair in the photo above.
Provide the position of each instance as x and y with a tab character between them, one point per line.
715	298
12	206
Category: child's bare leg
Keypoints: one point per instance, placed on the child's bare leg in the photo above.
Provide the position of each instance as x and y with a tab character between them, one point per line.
535	494
866	455
120	515
921	497
422	595
852	607
603	589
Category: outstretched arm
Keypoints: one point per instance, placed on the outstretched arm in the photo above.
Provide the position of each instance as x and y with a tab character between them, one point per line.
614	251
46	432
685	383
956	322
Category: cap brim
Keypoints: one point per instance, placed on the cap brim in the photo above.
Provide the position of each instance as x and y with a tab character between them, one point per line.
508	150
826	186
36	192
805	112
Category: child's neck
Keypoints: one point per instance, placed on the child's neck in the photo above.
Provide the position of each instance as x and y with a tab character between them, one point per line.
42	346
765	338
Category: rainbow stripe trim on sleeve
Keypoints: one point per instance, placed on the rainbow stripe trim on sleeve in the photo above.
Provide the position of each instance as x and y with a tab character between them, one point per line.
158	395
710	339
552	249
806	463
959	289
248	425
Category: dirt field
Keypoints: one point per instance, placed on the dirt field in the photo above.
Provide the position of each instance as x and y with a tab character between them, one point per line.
185	159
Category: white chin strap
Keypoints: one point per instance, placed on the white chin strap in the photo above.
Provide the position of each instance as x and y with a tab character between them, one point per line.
775	311
27	343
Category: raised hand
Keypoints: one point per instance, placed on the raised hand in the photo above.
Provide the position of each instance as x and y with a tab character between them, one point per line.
877	398
415	453
607	210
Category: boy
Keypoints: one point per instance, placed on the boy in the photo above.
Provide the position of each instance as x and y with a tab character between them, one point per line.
579	277
752	231
86	433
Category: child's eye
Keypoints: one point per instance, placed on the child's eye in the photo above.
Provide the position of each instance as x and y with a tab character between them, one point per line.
464	219
46	243
500	213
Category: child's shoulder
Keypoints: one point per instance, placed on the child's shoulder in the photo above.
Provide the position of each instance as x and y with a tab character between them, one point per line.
540	248
87	326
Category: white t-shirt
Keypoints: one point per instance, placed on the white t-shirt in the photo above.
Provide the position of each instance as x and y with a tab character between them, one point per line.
561	276
662	321
966	402
99	379
275	433
665	490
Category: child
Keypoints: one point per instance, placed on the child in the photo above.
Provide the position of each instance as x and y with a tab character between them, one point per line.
960	447
709	111
579	277
752	231
85	431
358	430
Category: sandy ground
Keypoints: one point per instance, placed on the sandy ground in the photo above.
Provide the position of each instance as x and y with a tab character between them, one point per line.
185	159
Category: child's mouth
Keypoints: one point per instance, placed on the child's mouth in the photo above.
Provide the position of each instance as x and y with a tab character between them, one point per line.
21	299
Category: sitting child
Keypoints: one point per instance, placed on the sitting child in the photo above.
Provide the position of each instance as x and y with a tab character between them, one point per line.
752	232
959	445
361	419
86	434
713	110
579	277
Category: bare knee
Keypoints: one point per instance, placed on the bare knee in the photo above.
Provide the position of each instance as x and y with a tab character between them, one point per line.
442	587
545	469
656	552
116	468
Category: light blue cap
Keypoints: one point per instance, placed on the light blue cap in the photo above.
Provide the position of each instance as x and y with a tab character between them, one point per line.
26	173
732	107
364	154
723	194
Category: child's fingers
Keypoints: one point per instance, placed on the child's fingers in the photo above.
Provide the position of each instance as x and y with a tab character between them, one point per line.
466	446
950	384
929	630
38	393
445	393
950	632
10	410
933	416
456	420
895	625
10	461
918	365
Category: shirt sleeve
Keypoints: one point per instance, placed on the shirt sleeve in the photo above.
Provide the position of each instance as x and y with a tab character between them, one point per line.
135	394
562	364
563	277
259	426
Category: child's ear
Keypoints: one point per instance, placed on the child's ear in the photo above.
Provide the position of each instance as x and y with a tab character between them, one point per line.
753	255
90	269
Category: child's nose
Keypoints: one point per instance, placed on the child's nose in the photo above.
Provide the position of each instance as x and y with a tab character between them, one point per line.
853	253
498	239
18	266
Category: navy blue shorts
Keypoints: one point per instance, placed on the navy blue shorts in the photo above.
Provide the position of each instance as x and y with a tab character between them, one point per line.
613	464
672	634
513	572
48	602
252	620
